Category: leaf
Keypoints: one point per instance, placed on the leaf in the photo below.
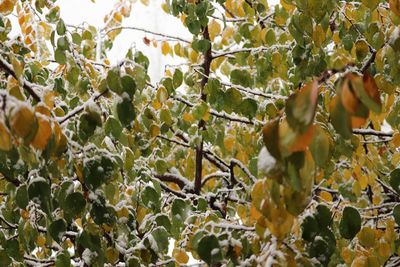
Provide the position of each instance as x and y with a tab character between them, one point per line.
177	78
373	101
74	204
367	237
241	77
159	240
371	4
151	199
126	112
114	81
320	146
6	7
97	171
209	249
396	214
39	192
341	120
113	128
5	138
394	180
350	224
202	45
128	85
323	216
57	229
23	122
310	228
21	196
43	134
248	107
300	107
271	138
165	48
302	141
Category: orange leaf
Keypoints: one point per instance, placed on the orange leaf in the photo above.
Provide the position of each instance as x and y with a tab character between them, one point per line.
303	140
349	99
42	135
371	88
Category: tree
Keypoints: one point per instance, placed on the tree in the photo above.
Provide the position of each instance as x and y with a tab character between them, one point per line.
275	144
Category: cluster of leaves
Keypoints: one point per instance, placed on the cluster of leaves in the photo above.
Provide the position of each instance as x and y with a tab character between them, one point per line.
267	147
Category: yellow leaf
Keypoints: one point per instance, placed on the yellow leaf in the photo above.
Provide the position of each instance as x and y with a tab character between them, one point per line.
7	6
154	130
5	138
165	48
43	109
42	135
49	99
214	29
23	121
326	196
180	256
187	117
318	35
112	255
229	143
40	240
123	212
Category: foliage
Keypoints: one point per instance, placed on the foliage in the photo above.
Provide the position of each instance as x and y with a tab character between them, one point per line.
268	146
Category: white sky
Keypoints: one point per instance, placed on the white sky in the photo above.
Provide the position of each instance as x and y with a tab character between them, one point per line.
151	17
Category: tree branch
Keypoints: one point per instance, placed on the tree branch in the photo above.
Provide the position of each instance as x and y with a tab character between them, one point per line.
202	124
147	31
25	84
182	182
222	175
80	108
372	132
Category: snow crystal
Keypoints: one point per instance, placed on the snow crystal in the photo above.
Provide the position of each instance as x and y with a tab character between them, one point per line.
266	162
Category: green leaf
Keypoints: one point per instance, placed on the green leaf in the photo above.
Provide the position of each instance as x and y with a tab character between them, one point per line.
309	228
350	224
323	216
126	112
114	81
241	77
60	56
113	128
341	120
201	46
103	214
63	259
74	204
394	180
177	79
21	196
151	199
128	85
62	43
159	240
209	249
57	229
248	107
320	147
39	191
180	209
97	171
396	214
61	29
300	107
